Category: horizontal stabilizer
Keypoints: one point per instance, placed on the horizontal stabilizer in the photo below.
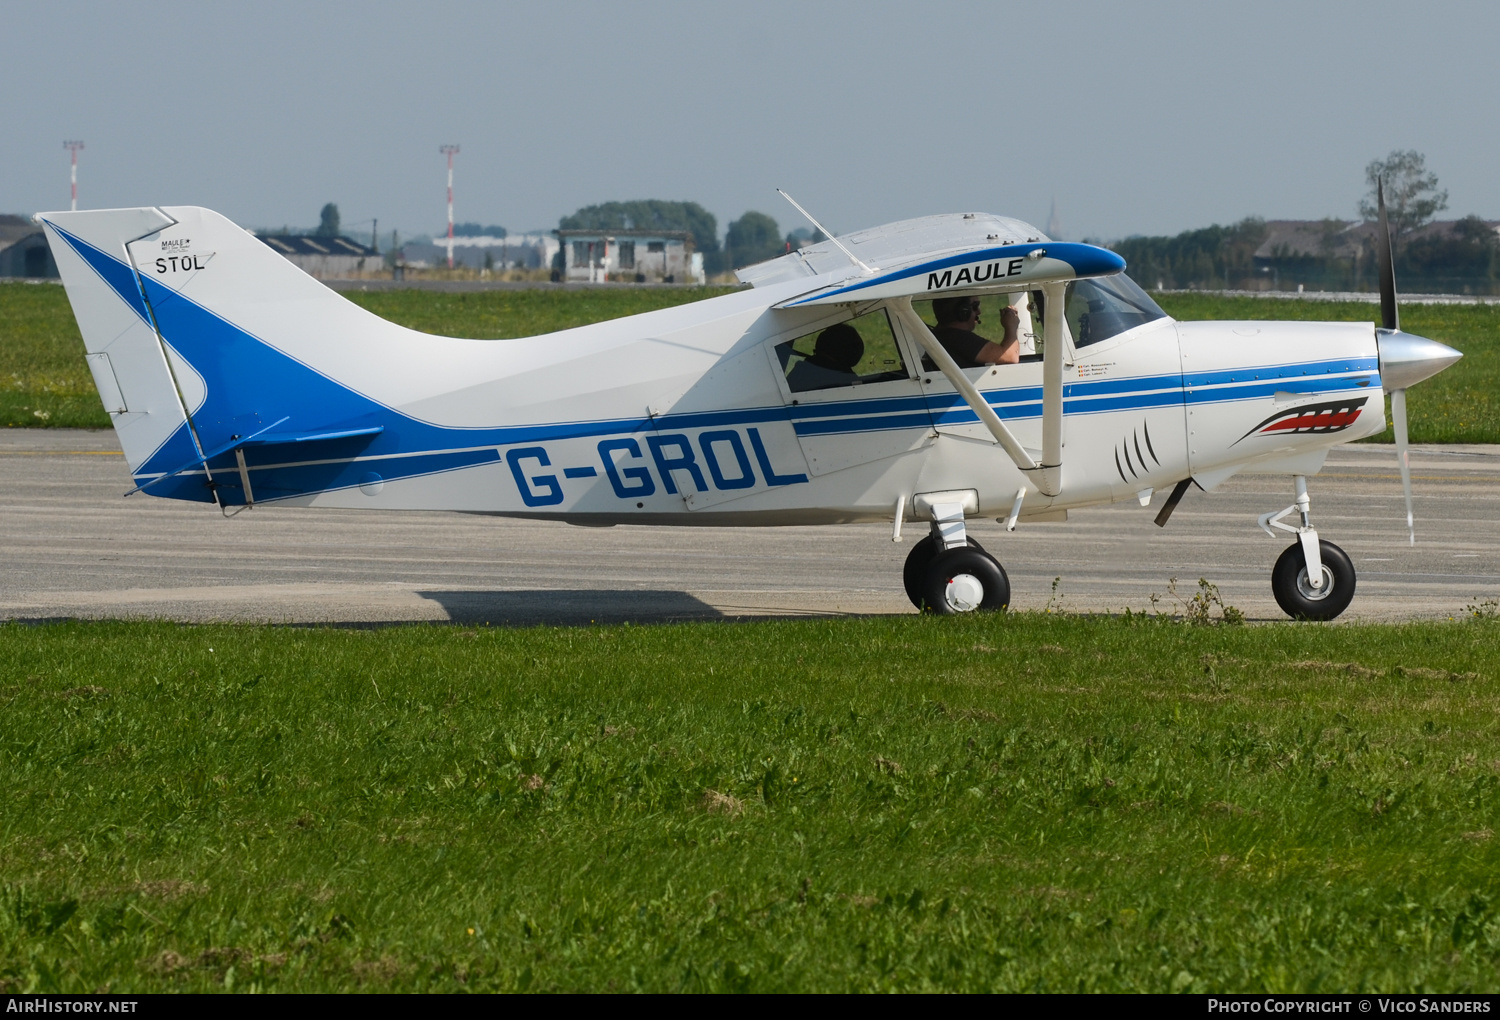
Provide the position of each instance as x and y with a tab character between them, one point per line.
269	438
265	437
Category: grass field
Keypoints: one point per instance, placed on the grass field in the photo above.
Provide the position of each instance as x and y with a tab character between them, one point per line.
1018	803
43	378
44	382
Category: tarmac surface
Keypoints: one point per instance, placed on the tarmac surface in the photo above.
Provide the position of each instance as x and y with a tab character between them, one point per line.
72	548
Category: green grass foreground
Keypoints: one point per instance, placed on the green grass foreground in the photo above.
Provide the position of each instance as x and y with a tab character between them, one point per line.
44	381
1018	803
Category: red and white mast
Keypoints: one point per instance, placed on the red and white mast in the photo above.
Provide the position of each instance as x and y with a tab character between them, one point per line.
450	151
73	148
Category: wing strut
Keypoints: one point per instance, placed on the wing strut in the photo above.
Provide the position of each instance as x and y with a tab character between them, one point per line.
1055	334
1046	477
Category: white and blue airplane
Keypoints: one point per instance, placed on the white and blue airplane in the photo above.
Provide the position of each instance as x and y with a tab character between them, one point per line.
236	380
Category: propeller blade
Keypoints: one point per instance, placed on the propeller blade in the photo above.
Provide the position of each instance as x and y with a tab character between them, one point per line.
1388	315
1398	412
1390	319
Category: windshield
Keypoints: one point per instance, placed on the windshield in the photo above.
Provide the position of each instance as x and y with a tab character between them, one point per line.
1108	306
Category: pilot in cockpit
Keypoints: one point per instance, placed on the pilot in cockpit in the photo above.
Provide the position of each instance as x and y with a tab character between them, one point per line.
957	318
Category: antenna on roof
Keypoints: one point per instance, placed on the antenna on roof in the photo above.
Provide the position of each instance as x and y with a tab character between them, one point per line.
826	233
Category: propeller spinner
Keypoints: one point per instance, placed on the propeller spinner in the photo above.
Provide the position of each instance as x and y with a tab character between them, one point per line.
1404	357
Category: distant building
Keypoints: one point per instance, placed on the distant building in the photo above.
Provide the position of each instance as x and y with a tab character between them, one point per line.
645	256
326	258
23	249
1291	239
517	251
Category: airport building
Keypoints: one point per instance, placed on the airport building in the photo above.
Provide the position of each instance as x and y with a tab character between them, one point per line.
24	251
642	256
1340	255
326	258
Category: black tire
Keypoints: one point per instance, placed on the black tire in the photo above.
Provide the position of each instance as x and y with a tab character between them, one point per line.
916	566
949	583
1299	600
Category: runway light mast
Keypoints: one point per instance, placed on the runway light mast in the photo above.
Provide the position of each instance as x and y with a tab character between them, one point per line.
73	148
450	151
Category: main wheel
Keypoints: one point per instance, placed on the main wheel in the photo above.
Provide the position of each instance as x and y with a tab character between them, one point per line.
916	566
1299	599
963	581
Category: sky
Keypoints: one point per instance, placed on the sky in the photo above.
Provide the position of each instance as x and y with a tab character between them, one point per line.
1140	118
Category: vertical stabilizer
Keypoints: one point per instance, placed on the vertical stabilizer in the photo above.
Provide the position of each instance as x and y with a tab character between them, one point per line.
125	354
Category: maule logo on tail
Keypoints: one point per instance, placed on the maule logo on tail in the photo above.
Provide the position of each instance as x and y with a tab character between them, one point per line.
1332	416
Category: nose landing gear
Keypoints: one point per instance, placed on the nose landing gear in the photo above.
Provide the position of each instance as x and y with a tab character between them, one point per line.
1295	593
1312	580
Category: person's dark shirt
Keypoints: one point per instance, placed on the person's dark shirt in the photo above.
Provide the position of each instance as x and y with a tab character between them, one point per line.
964	345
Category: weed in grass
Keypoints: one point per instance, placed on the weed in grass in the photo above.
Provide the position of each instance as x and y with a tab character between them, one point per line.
1487	610
1199	609
1055	598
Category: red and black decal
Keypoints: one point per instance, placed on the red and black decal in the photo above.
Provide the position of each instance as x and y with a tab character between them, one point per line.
1330	416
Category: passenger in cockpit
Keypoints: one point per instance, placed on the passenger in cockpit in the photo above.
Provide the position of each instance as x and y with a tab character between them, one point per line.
958	316
835	353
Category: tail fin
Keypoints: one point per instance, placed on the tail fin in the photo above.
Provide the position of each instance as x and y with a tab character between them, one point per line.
125	353
233	377
202	339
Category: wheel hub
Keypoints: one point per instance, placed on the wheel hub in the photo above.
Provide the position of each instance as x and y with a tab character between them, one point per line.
1307	591
964	593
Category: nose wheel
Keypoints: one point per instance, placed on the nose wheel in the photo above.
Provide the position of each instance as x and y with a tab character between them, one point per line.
1298	597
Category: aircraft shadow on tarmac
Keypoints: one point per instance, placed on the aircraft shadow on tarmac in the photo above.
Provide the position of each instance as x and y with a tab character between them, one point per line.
568	607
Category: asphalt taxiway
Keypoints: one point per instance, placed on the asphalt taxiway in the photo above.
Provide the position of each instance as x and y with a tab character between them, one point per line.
73	548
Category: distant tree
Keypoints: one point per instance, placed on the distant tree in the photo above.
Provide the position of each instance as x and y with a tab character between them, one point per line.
1216	256
1412	197
752	238
1468	251
329	222
649	214
476	230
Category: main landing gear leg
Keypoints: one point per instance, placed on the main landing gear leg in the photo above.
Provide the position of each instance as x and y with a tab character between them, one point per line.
949	573
1312	580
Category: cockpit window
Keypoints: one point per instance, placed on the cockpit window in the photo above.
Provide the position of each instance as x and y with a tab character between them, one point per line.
1108	306
849	353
